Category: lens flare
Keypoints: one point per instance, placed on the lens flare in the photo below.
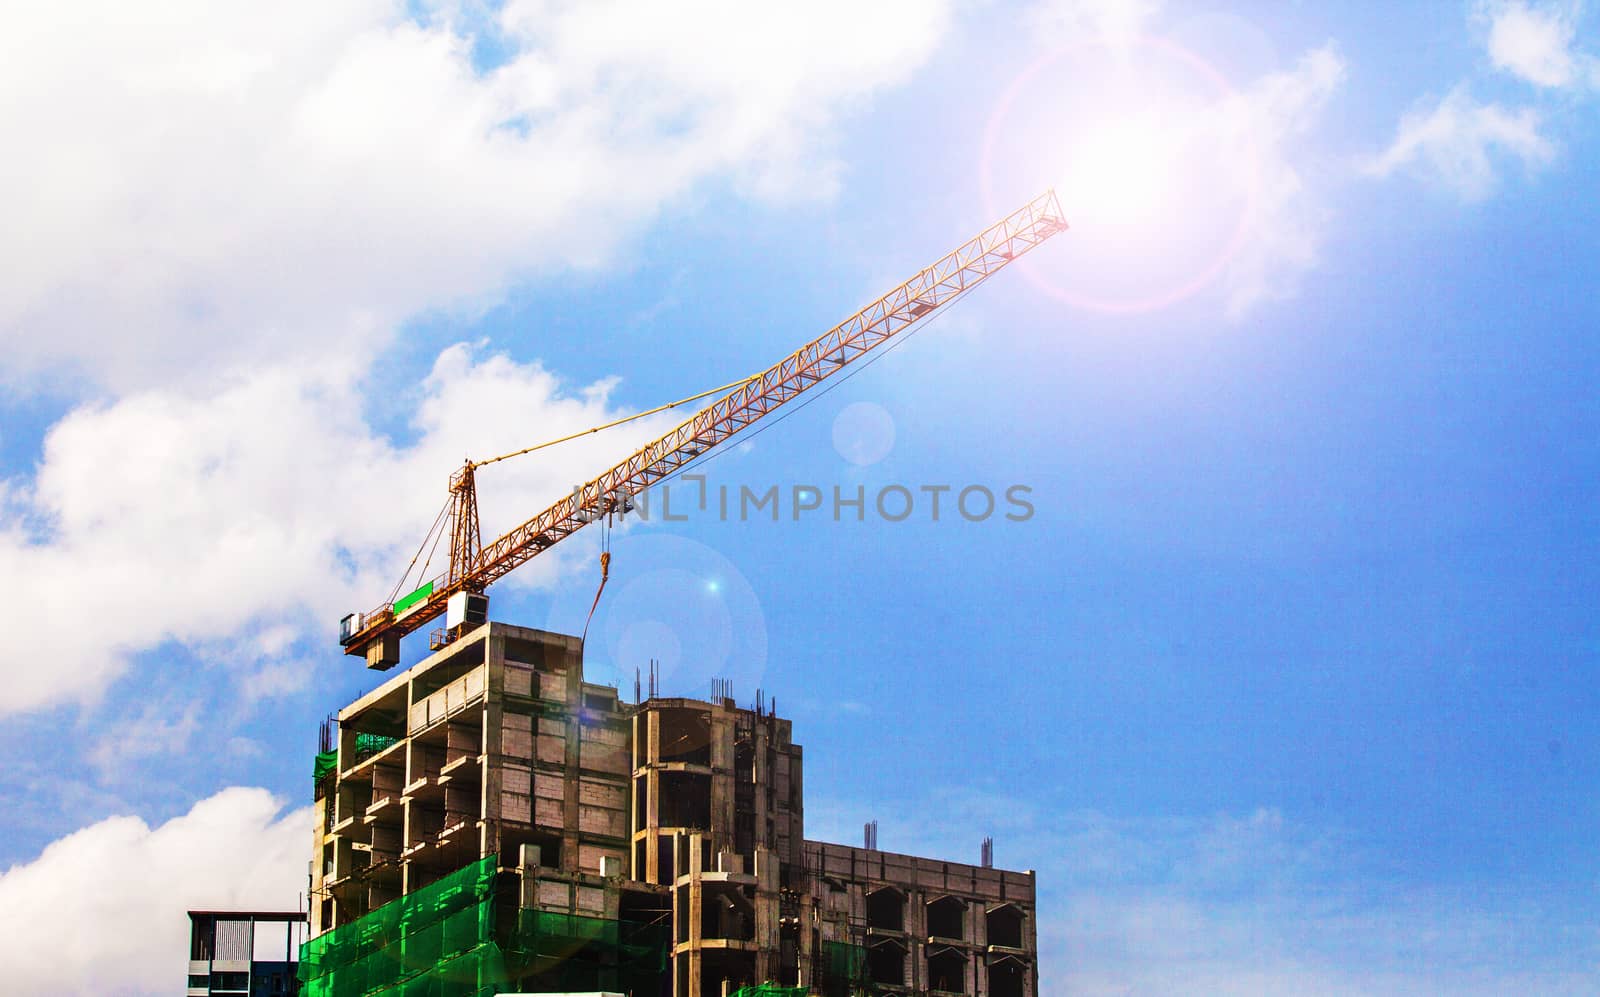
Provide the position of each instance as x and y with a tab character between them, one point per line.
1124	174
1151	158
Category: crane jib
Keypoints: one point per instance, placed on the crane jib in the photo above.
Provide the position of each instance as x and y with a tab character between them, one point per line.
376	634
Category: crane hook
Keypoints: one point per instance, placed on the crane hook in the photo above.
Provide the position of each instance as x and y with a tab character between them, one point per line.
605	572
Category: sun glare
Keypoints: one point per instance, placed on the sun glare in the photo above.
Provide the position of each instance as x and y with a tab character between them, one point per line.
1122	173
1144	147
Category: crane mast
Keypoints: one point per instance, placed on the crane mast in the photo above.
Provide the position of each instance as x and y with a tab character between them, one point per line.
473	565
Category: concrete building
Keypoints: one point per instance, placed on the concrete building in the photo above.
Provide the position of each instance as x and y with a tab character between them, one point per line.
244	953
492	819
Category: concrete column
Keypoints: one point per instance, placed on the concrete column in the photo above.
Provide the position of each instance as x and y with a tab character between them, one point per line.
490	782
767	934
722	731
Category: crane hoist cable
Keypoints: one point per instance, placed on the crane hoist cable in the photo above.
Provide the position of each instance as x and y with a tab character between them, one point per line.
605	573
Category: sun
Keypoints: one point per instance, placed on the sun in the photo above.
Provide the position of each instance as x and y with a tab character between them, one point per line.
1123	173
1145	147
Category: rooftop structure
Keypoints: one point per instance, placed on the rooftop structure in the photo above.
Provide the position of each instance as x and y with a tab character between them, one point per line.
235	953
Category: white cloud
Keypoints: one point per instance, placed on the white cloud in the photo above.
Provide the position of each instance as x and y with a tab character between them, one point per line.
267	505
102	910
1534	42
222	214
1462	144
162	727
1458	142
200	184
1286	220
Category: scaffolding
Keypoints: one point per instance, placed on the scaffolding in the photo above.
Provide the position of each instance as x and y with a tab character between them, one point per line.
443	940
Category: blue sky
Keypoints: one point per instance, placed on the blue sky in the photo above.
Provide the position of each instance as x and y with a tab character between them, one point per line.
1286	686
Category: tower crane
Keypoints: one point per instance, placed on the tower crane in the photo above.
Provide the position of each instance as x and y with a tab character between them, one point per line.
473	565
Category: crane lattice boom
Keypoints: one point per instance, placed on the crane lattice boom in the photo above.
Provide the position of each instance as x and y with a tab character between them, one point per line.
376	634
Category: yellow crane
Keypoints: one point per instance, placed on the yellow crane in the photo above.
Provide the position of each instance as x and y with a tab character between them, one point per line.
473	565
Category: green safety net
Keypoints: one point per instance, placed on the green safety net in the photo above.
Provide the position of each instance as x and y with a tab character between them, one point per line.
366	746
371	744
435	942
570	952
843	960
844	968
442	941
327	761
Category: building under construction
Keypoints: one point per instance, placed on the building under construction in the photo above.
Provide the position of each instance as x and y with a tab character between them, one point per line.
489	822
